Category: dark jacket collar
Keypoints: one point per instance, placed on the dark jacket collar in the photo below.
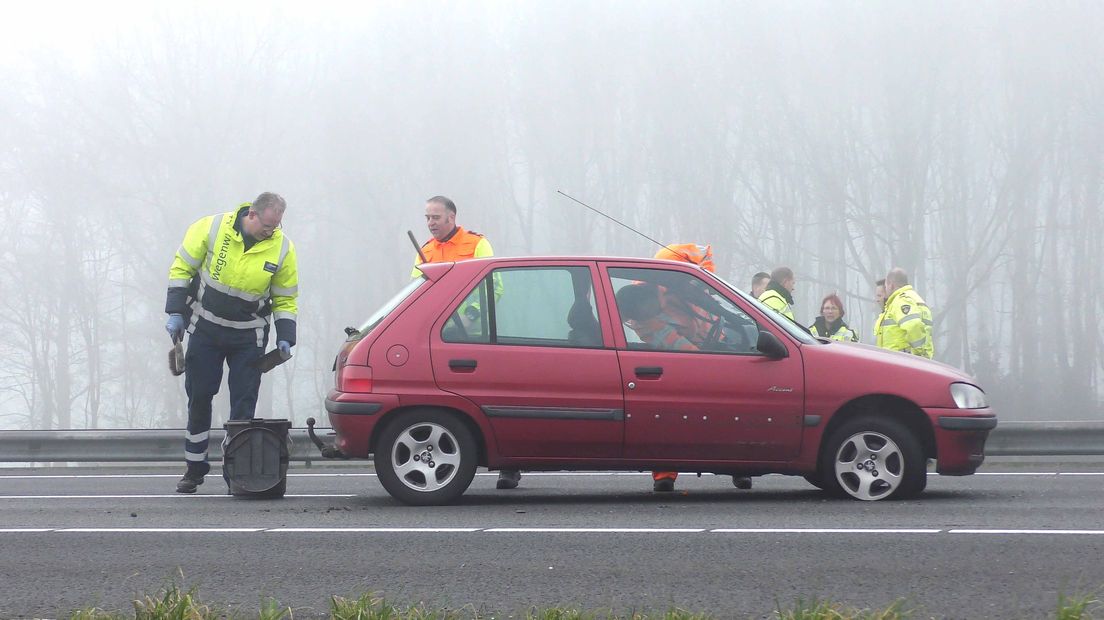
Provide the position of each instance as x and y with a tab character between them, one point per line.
781	290
247	240
825	328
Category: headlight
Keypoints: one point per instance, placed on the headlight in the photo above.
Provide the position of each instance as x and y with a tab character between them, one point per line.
968	396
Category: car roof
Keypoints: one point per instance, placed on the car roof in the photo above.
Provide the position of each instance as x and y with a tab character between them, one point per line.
555	259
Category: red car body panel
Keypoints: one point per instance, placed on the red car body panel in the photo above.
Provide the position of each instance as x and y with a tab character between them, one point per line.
538	407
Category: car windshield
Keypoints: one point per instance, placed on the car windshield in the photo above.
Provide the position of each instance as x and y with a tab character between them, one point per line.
791	328
386	308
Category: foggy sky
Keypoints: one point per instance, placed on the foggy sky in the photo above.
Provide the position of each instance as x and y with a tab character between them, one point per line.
961	141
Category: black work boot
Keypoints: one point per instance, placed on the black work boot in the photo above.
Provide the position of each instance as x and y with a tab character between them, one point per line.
663	485
741	482
192	479
508	479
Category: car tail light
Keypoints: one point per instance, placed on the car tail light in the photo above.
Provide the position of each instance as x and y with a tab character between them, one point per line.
354	378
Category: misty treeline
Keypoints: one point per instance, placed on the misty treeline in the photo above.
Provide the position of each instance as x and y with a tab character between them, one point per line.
963	142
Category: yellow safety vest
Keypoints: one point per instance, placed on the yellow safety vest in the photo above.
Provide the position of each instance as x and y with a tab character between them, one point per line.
775	301
878	327
907	324
843	334
237	288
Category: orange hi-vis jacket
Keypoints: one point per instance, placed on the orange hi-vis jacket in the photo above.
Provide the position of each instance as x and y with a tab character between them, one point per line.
700	255
460	245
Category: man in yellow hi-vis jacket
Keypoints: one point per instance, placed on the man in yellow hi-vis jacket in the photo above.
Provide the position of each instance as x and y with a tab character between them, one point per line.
907	324
779	293
232	272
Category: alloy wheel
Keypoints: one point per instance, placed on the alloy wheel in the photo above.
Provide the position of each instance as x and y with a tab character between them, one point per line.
425	457
869	465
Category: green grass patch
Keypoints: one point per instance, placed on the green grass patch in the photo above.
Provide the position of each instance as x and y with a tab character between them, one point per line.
826	610
1078	607
177	603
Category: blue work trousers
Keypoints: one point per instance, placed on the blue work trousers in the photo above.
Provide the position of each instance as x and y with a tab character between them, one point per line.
209	347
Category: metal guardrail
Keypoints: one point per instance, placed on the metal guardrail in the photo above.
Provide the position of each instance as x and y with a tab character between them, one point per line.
1046	439
126	445
167	445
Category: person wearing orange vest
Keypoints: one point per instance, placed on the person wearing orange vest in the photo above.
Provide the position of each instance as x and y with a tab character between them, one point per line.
451	243
689	325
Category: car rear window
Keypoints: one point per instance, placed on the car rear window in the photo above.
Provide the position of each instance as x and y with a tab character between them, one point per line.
529	306
388	307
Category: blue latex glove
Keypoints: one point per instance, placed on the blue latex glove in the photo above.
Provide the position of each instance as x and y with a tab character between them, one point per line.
175	326
284	346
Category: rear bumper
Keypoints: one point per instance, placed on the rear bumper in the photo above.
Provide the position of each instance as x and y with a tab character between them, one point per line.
353	417
960	436
352	408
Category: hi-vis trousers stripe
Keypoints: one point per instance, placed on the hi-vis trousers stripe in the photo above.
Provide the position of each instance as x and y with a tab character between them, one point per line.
195	446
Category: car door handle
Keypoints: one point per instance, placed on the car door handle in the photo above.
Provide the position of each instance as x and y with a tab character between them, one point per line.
462	364
648	371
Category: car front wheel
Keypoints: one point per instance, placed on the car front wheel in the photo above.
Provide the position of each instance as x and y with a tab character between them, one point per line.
426	457
873	459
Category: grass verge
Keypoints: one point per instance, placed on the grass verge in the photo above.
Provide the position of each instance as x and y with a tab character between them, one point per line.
176	603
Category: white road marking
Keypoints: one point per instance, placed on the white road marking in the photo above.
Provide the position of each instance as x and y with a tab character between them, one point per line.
292	474
125	476
161	496
534	530
1014	473
825	530
554	474
157	530
595	530
965	531
372	530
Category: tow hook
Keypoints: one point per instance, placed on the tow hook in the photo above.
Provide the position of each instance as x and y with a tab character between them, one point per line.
328	452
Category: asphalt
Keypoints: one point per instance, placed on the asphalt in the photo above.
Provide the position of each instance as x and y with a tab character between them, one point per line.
1006	544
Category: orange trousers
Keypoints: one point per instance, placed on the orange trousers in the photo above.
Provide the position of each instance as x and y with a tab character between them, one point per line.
664	475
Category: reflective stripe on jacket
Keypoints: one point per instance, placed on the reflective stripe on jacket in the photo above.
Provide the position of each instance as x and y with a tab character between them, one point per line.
843	334
236	288
907	325
878	327
775	301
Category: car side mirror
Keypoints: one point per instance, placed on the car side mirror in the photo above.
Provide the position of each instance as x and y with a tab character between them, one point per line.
769	345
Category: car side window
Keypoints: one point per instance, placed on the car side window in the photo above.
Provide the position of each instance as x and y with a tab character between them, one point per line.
664	310
535	306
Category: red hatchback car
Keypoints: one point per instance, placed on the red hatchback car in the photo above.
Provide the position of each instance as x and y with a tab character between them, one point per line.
633	364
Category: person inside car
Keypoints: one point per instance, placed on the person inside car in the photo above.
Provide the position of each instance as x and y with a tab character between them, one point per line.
640	306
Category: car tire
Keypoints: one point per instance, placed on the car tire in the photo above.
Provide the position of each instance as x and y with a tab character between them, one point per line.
426	457
872	459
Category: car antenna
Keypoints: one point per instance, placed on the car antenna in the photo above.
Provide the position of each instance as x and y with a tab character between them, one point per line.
620	223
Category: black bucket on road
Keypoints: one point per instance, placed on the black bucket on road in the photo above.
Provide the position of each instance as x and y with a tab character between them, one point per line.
255	457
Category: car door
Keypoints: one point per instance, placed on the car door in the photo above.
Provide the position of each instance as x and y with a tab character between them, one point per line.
696	387
527	346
